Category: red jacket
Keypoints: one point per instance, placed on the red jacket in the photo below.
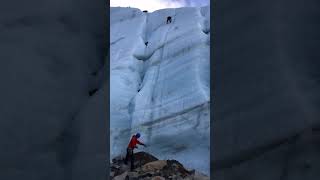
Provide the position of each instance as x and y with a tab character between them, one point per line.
133	142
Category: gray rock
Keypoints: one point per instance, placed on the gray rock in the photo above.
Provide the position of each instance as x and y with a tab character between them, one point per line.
158	178
167	169
123	176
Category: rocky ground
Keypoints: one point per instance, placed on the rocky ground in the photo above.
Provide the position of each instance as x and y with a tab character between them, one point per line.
148	167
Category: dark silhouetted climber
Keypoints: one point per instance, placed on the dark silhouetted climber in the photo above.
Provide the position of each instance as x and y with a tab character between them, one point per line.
145	11
93	91
169	19
146	43
132	144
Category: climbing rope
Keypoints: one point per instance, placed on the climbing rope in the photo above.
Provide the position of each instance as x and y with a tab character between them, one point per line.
156	76
165	76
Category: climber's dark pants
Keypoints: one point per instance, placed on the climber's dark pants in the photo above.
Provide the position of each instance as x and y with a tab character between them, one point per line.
130	156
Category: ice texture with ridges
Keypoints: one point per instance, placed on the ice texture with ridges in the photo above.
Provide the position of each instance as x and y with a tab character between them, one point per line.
161	89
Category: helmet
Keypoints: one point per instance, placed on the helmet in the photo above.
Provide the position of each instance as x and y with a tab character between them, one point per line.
138	135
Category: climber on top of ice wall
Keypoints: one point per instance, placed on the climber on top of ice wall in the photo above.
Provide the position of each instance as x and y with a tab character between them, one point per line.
169	19
132	144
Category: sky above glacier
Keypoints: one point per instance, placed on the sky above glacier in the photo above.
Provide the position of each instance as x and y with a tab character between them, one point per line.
152	5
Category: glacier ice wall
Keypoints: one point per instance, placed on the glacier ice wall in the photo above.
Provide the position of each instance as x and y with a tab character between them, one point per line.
161	89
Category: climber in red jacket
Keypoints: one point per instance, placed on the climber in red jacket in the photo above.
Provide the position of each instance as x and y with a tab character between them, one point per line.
132	144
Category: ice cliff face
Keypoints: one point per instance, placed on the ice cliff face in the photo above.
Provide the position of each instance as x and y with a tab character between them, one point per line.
161	89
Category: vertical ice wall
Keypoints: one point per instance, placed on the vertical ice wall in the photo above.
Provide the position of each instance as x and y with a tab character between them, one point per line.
126	30
161	89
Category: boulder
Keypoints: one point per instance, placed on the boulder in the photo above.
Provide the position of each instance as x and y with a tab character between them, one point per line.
154	166
158	178
153	169
142	158
123	176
